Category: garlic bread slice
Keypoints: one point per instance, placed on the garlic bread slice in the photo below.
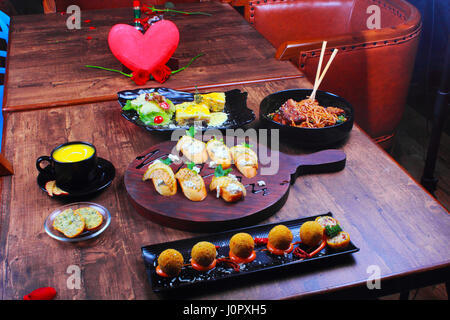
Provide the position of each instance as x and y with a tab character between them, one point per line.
192	184
245	159
219	153
162	177
194	150
230	189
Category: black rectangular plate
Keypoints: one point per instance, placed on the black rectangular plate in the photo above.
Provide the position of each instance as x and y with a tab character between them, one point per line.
264	260
235	106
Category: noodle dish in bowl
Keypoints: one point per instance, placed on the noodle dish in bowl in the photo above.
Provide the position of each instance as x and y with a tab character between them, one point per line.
321	123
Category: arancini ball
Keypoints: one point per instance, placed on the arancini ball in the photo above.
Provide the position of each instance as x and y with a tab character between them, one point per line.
242	245
171	261
280	237
311	233
204	253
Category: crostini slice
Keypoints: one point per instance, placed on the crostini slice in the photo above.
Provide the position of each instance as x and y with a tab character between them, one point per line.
229	188
219	153
192	184
194	150
245	159
162	177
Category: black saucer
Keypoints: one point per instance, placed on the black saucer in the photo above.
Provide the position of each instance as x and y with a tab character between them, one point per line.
103	180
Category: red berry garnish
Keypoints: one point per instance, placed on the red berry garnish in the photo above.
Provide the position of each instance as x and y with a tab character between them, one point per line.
164	105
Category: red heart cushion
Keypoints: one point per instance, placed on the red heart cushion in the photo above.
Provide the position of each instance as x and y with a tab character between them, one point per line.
146	51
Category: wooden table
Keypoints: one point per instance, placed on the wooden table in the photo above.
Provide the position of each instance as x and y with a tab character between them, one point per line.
398	227
46	61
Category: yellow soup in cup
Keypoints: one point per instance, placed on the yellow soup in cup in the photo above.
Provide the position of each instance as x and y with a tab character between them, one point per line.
73	152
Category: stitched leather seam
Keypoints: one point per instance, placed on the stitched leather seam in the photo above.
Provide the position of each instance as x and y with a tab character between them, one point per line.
363	46
257	3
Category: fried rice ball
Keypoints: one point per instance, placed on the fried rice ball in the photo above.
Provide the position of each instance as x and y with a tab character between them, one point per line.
171	261
204	253
242	245
280	237
311	233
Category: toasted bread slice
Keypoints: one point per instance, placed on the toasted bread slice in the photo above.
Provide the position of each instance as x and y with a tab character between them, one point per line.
247	165
162	177
246	160
92	218
70	223
219	153
194	150
192	184
239	150
230	189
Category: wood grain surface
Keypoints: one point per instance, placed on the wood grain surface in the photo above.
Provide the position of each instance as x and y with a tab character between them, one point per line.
213	214
398	227
46	60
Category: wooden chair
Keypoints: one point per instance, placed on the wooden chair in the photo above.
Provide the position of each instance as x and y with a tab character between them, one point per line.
373	67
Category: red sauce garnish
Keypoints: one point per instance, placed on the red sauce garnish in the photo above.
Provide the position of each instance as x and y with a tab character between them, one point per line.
161	273
279	252
237	259
201	268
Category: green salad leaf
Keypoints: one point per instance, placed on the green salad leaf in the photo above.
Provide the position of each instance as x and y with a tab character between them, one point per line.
130	106
149	118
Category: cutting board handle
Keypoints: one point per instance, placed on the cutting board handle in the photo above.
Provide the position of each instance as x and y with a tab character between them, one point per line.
325	161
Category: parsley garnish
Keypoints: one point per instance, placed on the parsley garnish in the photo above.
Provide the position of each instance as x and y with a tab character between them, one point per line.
167	161
190	165
219	172
191	132
332	231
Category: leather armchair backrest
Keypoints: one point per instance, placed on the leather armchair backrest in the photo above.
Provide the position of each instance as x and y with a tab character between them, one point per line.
391	13
282	20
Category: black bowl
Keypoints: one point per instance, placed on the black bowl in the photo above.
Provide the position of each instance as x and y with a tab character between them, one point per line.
314	138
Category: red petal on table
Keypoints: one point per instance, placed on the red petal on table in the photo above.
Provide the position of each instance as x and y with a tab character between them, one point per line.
45	293
92	28
87	21
88	38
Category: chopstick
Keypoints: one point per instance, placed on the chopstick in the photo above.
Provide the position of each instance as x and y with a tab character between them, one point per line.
319	67
319	79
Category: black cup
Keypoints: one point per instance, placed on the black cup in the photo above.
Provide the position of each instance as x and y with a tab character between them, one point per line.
70	176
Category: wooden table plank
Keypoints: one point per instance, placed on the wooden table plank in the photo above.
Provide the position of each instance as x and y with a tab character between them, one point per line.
46	61
398	227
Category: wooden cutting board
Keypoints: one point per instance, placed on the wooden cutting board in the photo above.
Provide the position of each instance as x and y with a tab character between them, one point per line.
214	214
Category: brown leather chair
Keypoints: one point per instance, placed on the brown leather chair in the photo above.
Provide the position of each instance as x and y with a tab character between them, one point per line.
372	69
